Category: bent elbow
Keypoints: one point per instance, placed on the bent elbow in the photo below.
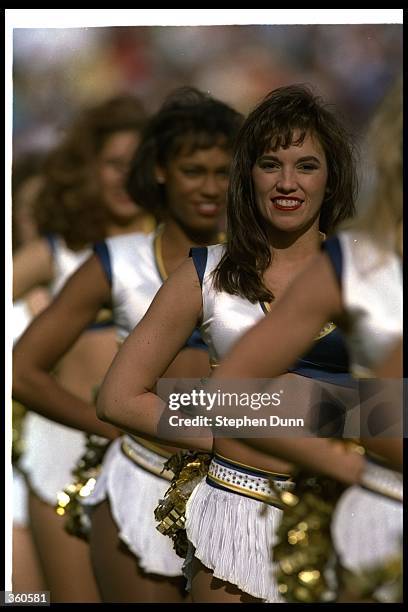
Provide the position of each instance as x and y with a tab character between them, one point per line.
104	407
20	382
101	412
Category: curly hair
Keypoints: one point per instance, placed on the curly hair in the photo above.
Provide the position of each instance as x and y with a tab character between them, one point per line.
26	169
269	126
187	118
70	202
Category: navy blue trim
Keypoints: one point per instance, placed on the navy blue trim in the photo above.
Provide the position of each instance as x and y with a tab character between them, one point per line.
343	379
195	341
101	250
248	470
199	256
334	368
52	242
332	247
101	325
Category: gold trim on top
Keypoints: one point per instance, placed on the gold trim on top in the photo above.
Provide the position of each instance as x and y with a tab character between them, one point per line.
158	253
251	467
149	223
327	329
104	314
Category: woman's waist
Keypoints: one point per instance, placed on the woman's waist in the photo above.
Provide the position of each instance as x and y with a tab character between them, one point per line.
164	450
84	367
236	450
148	455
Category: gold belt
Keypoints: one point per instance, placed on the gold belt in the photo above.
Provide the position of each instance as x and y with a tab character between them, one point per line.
146	458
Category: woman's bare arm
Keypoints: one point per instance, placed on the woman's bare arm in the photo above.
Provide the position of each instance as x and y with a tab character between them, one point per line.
48	338
275	343
390	449
126	398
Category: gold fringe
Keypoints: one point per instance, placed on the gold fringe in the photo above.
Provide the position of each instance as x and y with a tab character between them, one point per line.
189	467
304	551
85	474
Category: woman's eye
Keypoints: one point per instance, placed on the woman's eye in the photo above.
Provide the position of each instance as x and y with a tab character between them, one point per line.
191	171
308	167
267	165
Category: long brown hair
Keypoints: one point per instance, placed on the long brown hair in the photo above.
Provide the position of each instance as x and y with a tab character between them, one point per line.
269	126
70	203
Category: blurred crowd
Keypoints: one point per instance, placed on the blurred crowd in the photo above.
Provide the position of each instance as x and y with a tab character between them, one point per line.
58	70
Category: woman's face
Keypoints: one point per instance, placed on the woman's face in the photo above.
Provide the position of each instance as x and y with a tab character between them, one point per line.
113	164
290	184
196	186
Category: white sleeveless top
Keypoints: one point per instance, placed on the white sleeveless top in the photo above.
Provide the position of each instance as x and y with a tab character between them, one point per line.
65	262
134	277
226	317
371	283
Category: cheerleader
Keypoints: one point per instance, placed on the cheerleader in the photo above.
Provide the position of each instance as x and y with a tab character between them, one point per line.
26	181
82	198
292	178
180	173
357	281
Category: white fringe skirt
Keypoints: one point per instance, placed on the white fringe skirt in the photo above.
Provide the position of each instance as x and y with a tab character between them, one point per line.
133	494
232	534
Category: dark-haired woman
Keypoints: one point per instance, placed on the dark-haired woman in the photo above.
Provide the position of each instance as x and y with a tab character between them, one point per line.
180	173
292	181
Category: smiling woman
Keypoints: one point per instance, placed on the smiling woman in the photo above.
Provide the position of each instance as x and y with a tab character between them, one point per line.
195	180
132	562
291	183
292	147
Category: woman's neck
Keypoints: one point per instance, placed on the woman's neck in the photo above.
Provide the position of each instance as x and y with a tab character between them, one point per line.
143	222
295	246
177	241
